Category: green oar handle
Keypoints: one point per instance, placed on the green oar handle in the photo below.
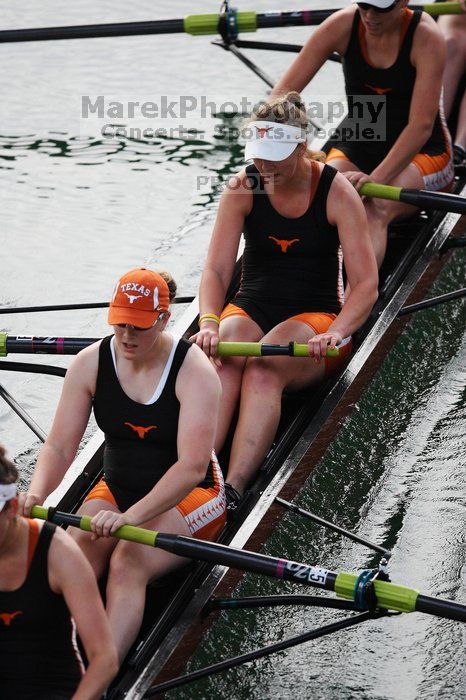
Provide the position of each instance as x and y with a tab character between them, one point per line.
208	24
126	532
443	8
372	189
236	349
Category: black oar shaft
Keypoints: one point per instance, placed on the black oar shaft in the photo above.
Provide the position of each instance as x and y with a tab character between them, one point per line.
259	653
24	415
32	368
336	528
47	345
193	24
440	201
350	586
434	301
247	561
441	608
93	31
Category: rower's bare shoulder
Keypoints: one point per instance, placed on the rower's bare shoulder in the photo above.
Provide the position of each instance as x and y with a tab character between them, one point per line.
238	189
343	200
85	365
197	372
338	26
428	37
342	187
65	556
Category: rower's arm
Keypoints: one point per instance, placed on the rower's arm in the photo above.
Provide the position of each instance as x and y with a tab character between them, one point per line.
428	56
67	430
71	575
235	203
198	390
332	35
346	211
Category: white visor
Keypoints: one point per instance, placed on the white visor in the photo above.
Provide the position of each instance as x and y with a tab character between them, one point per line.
383	4
7	492
271	141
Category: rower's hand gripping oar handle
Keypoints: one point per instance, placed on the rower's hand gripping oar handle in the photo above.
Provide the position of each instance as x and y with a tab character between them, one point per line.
227	349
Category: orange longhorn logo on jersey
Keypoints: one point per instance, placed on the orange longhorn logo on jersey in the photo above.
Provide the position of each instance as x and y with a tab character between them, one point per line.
379	91
141	430
284	245
263	130
7	618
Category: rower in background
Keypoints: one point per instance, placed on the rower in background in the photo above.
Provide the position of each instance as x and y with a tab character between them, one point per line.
156	398
295	213
453	28
44	580
387	51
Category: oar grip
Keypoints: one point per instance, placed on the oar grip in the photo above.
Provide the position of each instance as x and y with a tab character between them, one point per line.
208	24
302	350
443	8
126	532
372	189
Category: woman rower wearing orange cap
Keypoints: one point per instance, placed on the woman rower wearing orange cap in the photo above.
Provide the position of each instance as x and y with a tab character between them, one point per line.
44	580
295	213
393	60
145	386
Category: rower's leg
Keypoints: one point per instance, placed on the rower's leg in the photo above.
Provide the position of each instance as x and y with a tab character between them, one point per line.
132	567
264	380
454	31
381	212
97	551
460	137
230	373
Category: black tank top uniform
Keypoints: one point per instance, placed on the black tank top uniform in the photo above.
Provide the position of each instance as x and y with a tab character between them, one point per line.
396	84
290	265
38	654
140	439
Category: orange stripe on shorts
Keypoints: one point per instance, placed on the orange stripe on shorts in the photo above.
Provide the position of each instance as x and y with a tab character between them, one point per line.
320	323
335	153
102	491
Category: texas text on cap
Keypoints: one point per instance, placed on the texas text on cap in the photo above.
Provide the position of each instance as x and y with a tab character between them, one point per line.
272	141
140	296
7	492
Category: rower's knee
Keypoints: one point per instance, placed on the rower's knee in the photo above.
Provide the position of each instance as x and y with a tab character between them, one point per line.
126	565
262	376
378	212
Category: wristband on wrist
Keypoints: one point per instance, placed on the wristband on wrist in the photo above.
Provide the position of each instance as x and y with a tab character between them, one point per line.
209	317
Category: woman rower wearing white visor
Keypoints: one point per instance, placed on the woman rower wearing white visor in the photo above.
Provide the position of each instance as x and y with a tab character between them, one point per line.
295	214
393	59
47	592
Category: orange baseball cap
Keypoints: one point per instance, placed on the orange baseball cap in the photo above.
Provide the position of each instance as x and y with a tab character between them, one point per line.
140	296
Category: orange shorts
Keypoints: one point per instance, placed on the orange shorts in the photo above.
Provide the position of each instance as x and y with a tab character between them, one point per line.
437	172
319	322
204	509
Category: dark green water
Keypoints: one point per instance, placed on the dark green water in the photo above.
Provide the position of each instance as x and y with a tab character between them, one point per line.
396	474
